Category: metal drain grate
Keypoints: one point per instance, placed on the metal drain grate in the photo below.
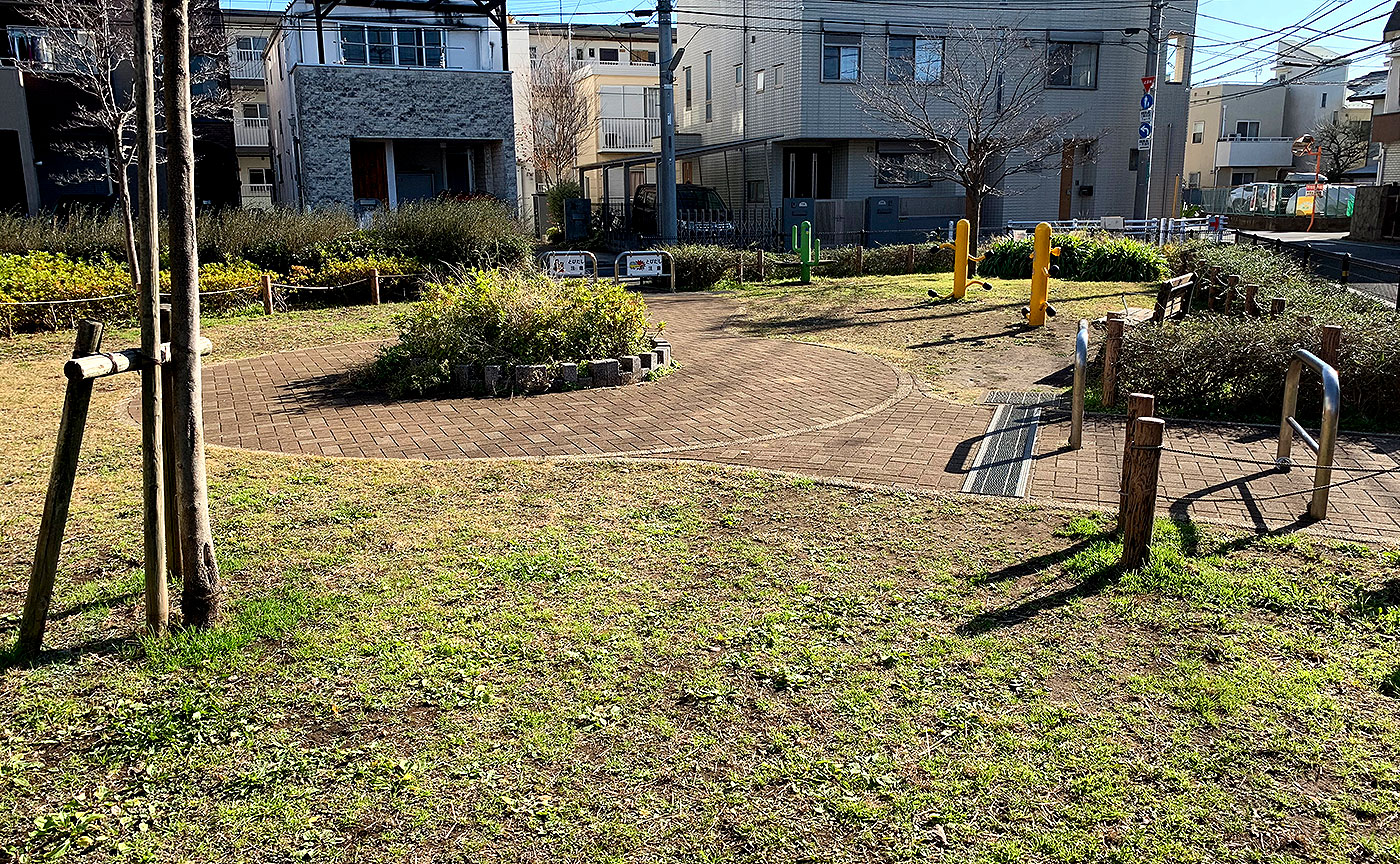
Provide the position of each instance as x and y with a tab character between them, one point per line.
1003	462
1021	397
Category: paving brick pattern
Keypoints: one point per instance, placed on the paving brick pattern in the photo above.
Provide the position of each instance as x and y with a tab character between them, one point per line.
787	406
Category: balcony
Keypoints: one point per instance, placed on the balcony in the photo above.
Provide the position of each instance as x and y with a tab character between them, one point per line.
250	132
627	134
1253	152
257	196
245	65
1385	128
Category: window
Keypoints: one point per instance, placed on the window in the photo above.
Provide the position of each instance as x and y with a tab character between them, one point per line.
895	165
637	57
758	81
1240	178
777	76
687	89
259	176
1193	180
1073	65
1247	129
1324	99
840	56
255	111
578	53
609	56
756	192
739	75
1198	132
709	87
253	44
915	57
1133	159
391	46
534	55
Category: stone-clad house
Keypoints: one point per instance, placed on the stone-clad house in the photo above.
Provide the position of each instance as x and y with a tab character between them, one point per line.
376	106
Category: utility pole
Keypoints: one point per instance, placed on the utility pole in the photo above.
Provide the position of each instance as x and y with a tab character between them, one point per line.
666	171
1144	171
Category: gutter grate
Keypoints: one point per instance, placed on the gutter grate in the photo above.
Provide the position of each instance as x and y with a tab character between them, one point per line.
1021	397
1003	462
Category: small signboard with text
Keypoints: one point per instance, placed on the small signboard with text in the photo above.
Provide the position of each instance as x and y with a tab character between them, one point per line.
1305	205
567	265
642	264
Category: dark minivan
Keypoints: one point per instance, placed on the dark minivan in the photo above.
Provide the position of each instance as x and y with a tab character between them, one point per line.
700	211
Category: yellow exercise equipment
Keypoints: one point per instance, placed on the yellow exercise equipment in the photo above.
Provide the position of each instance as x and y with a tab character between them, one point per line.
961	260
1041	271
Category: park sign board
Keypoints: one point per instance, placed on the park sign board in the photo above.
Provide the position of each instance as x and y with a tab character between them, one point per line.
567	265
640	264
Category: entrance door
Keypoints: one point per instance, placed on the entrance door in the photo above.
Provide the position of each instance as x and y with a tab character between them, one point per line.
1067	180
807	172
369	177
14	196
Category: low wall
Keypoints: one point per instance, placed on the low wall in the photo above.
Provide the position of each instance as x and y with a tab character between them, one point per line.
1252	222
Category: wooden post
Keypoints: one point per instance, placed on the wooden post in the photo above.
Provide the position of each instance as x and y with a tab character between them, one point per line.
374	286
1231	282
1140	506
909	259
1346	268
167	433
1331	342
266	297
860	260
1276	307
1251	306
59	496
1112	346
739	267
762	268
1139	405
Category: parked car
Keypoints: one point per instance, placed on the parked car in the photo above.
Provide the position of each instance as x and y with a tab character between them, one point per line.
701	213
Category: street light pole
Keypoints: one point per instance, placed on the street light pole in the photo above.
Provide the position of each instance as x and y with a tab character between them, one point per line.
1144	171
666	171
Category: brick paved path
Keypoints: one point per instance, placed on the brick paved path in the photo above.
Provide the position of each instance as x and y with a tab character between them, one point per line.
781	405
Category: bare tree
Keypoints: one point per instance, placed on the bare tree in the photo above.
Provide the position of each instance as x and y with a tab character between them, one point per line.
90	45
561	117
201	592
1345	145
976	116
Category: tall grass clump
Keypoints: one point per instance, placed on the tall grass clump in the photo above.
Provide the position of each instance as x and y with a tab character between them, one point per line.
84	234
478	232
1278	273
509	318
1084	257
275	239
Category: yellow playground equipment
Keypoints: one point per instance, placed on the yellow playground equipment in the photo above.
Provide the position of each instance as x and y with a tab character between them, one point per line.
1041	271
961	260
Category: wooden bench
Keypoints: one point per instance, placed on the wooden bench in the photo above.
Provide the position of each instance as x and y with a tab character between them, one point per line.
1174	298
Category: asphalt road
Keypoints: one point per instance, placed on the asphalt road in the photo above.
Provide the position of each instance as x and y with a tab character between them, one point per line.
1374	267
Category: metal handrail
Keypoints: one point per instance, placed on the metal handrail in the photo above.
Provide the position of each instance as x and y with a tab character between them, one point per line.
548	257
671	271
1081	374
1324	448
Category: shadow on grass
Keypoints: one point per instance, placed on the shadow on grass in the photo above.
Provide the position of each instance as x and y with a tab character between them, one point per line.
128	645
1033	603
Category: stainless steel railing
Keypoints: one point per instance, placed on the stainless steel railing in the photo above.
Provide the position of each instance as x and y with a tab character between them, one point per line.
1325	446
1081	373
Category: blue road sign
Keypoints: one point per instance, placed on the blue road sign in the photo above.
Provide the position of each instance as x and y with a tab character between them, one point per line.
1145	130
1147	101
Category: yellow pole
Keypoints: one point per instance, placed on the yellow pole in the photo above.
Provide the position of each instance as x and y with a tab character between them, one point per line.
961	259
1040	276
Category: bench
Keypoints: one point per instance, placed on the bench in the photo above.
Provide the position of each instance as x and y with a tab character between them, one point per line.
1174	298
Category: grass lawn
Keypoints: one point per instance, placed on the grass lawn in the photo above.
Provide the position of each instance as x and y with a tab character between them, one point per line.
589	662
959	348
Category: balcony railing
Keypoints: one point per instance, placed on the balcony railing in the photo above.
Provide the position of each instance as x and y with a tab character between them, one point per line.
1238	151
630	134
245	64
257	196
250	132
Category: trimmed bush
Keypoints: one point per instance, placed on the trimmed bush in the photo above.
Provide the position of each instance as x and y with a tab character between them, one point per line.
700	267
1084	257
476	233
510	318
890	260
555	198
1216	367
1278	273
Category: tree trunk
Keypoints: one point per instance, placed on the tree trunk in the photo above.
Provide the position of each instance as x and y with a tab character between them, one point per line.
200	598
153	487
972	210
119	175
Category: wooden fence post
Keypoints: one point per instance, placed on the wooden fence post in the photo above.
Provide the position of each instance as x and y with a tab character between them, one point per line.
860	260
1331	343
1140	506
1276	307
762	267
59	496
1112	346
173	565
267	293
374	286
909	259
1139	405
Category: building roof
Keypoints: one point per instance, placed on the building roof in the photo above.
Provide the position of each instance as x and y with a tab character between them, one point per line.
1367	88
1392	25
595	31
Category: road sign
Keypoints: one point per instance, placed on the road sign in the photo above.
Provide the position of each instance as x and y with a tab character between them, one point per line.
1147	102
1147	83
1144	130
1145	116
1305	206
1145	143
643	264
564	265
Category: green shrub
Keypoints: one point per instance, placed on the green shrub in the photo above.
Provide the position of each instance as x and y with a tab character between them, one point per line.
273	239
83	235
1279	274
889	260
509	318
475	233
700	266
1216	367
555	198
1084	257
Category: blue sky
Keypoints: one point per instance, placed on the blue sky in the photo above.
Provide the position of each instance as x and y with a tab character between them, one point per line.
1234	38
